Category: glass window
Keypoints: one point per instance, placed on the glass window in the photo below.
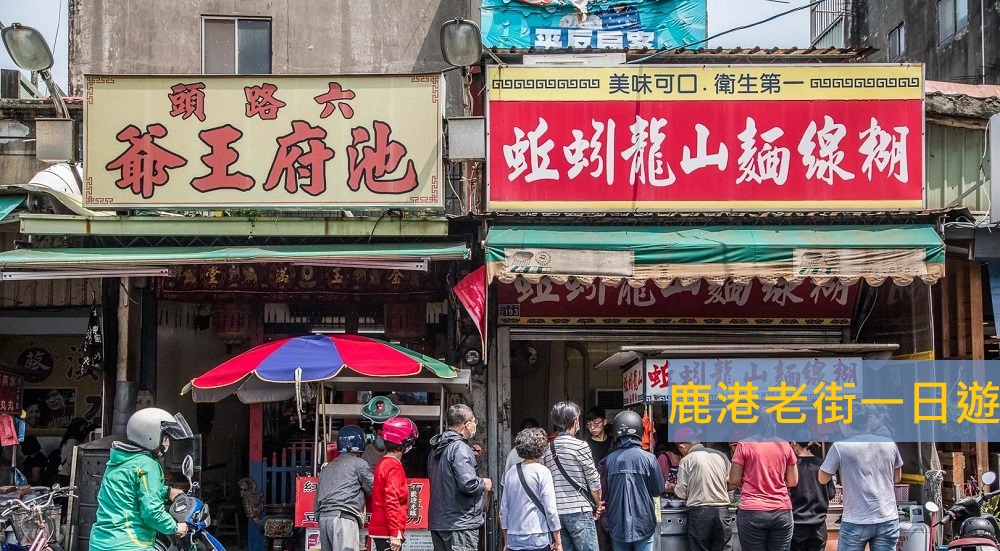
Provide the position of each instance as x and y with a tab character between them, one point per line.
254	46
220	46
961	15
237	46
946	19
897	42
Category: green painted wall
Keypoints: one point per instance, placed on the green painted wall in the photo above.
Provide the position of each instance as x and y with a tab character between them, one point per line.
953	161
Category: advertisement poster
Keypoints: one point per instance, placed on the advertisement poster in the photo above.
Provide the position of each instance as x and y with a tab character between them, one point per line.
600	24
685	138
359	141
58	387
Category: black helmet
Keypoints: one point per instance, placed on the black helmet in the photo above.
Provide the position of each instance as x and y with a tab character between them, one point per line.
977	527
627	423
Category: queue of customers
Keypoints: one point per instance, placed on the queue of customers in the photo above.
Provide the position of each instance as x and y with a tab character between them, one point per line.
599	494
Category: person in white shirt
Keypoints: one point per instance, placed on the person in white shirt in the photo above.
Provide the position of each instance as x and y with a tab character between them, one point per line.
869	466
528	515
512	457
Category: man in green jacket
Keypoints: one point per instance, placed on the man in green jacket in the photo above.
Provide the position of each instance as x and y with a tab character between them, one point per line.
131	504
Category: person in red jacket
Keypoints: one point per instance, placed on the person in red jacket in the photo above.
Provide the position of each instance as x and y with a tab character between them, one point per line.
390	493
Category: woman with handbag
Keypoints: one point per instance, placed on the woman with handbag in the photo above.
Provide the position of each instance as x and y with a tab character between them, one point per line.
528	515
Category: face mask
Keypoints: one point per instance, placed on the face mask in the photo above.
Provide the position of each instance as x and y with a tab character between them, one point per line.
472	432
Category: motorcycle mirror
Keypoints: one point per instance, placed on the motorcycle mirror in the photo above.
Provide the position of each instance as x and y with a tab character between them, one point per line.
989	478
931	507
187	467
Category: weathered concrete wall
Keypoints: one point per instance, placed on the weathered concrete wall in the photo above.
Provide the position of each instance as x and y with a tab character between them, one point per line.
958	60
307	37
17	132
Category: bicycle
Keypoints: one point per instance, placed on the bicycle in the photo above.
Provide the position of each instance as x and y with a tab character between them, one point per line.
37	519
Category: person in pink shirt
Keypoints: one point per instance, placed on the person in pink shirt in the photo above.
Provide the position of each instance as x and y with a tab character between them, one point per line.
764	467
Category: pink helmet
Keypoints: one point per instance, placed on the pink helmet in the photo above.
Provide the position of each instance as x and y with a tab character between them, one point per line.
400	431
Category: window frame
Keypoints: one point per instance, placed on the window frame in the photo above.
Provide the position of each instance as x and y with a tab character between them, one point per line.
899	34
949	8
236	41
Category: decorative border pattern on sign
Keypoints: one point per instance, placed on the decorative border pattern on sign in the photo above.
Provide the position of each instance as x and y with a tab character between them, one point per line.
887	82
89	190
96	80
545	83
434	80
433	197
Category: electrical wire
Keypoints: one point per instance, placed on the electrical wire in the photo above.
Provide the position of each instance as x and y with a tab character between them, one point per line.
55	40
723	33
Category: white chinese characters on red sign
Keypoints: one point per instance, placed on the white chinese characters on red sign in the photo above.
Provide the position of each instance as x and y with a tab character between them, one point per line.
632	387
765	156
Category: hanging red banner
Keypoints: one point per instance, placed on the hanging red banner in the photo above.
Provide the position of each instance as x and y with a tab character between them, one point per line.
471	292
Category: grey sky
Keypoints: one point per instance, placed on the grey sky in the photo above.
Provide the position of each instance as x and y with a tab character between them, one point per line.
787	31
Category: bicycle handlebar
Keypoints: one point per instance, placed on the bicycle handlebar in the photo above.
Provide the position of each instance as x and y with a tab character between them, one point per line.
34	504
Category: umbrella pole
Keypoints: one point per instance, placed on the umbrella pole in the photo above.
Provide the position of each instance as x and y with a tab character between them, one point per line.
316	451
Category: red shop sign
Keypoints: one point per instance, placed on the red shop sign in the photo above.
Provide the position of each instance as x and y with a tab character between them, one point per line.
10	393
701	303
705	138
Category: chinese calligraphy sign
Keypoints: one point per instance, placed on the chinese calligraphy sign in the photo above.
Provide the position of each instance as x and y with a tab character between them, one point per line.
727	377
10	392
700	303
345	142
650	138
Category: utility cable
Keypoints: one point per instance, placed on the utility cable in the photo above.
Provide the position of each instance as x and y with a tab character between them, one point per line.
723	33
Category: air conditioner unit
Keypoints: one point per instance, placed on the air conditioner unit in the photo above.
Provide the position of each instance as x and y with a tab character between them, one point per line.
611	399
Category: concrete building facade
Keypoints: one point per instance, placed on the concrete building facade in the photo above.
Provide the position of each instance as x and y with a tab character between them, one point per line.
296	36
956	39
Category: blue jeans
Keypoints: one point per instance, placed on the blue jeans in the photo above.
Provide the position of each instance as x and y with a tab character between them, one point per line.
882	536
578	532
641	545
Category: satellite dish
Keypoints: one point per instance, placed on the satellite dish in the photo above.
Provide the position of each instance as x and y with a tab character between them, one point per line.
62	177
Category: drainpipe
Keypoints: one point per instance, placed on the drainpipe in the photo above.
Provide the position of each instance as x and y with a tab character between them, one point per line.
982	37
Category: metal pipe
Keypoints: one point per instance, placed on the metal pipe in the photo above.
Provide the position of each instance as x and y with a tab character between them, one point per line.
982	37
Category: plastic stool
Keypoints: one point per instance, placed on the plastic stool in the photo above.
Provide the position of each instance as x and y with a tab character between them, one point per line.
228	523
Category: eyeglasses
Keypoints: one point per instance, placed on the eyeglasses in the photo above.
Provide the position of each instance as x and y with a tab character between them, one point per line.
473	420
595	424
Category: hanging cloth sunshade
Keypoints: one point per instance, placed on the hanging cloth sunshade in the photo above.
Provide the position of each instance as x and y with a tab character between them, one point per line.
272	371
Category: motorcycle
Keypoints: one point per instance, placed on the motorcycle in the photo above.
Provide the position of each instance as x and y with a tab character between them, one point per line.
977	532
187	508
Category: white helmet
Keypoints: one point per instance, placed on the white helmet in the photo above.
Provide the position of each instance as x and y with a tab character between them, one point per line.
147	427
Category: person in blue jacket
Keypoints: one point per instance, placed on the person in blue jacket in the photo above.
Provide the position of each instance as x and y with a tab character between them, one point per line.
634	480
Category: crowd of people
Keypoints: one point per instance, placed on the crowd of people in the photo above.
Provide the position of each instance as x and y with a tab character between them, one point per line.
602	492
603	496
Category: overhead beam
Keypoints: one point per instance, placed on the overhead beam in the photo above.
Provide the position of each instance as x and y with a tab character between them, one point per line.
200	226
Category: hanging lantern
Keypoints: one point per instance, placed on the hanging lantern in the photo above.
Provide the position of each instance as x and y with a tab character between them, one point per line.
406	321
231	322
